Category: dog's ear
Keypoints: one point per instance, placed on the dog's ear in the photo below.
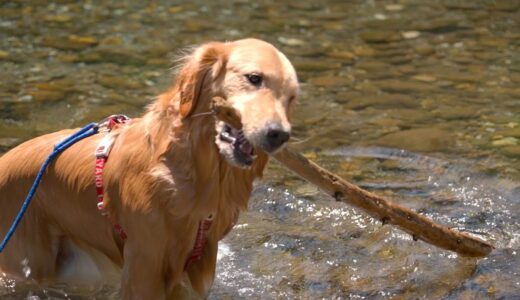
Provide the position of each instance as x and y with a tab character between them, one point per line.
204	65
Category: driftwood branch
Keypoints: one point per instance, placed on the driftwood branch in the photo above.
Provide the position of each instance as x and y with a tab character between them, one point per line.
420	227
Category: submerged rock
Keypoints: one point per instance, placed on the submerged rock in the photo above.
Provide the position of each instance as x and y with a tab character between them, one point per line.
399	86
331	81
46	95
507	141
457	112
117	82
72	42
420	139
383	101
511	151
381	36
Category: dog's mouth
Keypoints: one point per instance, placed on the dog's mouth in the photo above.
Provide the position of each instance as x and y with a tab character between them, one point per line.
243	152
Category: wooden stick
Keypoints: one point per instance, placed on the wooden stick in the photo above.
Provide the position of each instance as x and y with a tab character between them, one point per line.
420	227
225	112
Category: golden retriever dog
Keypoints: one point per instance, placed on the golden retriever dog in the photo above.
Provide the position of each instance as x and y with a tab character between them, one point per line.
168	171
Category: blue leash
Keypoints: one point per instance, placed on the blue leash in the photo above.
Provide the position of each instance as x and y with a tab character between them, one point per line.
84	132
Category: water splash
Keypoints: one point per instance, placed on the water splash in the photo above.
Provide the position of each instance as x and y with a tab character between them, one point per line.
7	285
25	268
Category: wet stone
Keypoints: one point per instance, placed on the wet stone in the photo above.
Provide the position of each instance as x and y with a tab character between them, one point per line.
505	5
197	25
6	56
305	6
372	65
513	132
389	53
439	25
3	55
331	81
315	65
457	112
424	50
46	95
407	69
67	57
364	51
381	36
411	34
494	42
382	101
485	56
346	57
121	56
116	82
158	62
305	52
57	18
390	164
346	96
394	7
387	124
412	116
424	78
511	151
399	86
506	141
60	85
375	66
291	41
421	140
460	5
69	43
399	60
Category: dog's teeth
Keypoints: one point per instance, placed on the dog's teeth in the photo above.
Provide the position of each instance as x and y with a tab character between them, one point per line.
226	136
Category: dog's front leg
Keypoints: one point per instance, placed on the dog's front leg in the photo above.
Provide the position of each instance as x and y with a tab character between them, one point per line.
143	269
202	272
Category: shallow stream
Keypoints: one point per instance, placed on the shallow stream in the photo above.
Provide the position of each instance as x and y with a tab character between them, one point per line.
415	100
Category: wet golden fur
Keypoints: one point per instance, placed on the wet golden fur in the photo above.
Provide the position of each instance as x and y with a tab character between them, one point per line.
164	175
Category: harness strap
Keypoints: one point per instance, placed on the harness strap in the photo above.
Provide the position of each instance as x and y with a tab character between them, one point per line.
200	241
102	153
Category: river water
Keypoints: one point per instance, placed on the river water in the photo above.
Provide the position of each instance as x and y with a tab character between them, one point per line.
415	100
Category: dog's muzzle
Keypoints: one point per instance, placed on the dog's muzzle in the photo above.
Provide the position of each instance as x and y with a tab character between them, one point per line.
243	151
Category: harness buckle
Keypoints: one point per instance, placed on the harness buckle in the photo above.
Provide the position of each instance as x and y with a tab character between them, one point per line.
111	121
104	147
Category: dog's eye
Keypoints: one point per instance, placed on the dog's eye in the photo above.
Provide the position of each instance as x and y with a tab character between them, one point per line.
254	79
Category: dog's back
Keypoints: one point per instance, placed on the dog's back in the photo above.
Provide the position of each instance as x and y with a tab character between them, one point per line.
40	246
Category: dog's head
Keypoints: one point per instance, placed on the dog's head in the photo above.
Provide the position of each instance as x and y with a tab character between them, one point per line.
256	79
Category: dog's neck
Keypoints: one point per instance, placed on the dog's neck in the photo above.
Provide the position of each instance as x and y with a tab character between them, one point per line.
187	147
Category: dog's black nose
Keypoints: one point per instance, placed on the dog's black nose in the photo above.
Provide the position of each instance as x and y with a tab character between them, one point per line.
277	137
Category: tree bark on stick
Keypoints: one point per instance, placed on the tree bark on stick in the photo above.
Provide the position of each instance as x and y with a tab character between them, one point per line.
420	227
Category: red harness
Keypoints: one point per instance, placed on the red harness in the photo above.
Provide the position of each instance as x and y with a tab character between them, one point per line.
102	152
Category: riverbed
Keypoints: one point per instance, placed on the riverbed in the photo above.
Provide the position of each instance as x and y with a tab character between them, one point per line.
418	101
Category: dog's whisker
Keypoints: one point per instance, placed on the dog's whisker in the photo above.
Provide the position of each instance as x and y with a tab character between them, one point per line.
296	141
202	114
